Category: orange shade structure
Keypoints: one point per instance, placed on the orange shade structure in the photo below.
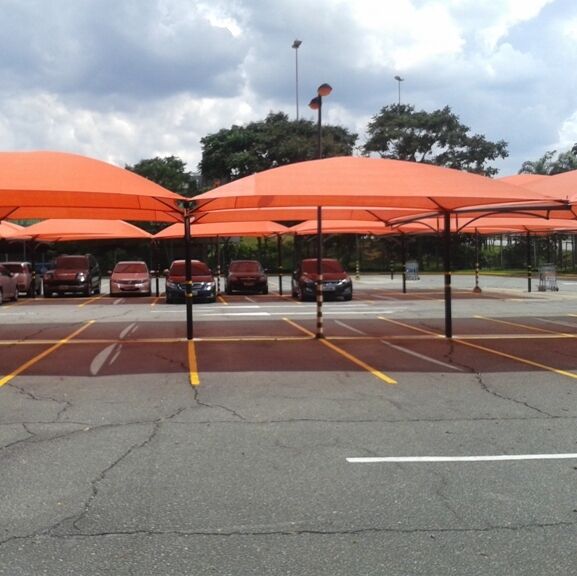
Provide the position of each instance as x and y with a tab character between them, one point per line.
357	182
226	229
57	230
8	230
61	185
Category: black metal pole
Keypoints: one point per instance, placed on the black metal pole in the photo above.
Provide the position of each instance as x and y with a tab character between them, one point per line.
404	263
279	262
218	270
447	268
319	291
188	275
529	267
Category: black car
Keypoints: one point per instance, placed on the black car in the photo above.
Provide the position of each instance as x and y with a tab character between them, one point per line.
246	276
73	274
203	283
336	282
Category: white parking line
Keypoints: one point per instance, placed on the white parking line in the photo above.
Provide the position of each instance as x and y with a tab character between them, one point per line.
498	458
351	328
421	356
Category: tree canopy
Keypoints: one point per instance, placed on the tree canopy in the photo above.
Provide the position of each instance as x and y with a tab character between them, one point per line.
551	163
243	150
169	172
437	137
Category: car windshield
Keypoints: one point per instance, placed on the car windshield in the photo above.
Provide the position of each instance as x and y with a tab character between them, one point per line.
72	263
245	266
329	266
16	267
130	268
198	269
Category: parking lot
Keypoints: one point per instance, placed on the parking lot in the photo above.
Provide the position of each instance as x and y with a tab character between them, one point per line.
256	448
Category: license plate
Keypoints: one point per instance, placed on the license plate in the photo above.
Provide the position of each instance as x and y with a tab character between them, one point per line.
329	288
195	292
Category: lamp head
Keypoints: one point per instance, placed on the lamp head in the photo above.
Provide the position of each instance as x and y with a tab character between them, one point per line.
324	89
297	43
315	103
399	79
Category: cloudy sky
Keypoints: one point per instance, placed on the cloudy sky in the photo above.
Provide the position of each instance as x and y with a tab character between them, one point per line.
123	80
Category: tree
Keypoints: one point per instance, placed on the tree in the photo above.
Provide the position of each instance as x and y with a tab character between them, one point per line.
548	164
169	172
438	137
243	150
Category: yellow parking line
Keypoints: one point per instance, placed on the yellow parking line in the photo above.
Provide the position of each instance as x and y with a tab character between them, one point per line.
42	355
192	365
527	326
377	373
489	350
222	300
90	300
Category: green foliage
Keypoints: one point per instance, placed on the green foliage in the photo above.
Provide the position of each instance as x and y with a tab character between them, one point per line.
550	164
169	172
399	132
276	141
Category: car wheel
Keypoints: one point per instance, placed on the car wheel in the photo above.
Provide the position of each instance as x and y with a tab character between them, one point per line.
15	297
1	298
300	294
348	297
265	290
228	289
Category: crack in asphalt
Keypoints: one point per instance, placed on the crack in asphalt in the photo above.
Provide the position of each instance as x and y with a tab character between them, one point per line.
292	533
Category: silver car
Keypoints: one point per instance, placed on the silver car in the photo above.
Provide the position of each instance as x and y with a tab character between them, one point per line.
8	285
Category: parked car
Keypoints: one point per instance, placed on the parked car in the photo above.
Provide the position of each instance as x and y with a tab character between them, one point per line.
203	282
336	282
246	276
8	285
130	277
27	280
73	274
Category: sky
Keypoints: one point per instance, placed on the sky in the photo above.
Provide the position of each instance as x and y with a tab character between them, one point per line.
126	80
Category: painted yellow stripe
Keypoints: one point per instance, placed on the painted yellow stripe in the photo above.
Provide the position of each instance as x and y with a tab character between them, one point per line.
222	300
377	373
414	328
491	351
518	359
519	325
90	300
155	301
192	365
42	355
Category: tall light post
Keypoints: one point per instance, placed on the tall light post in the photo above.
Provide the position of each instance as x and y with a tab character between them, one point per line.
296	45
399	80
317	104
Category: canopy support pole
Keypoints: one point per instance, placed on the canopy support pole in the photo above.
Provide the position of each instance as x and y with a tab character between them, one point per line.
319	291
529	267
279	262
218	270
447	267
477	288
188	274
404	262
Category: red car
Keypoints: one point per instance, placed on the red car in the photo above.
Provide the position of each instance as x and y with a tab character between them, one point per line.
246	276
130	277
8	285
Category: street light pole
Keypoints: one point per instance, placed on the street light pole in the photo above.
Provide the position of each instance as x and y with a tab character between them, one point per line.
296	45
399	80
317	104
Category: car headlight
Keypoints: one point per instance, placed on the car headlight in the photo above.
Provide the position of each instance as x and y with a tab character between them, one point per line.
81	276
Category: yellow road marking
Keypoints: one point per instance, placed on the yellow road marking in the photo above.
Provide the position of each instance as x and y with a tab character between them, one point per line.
377	373
155	301
222	300
192	365
42	355
490	350
90	300
519	325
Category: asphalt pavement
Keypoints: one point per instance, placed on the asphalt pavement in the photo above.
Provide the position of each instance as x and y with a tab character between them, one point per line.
382	449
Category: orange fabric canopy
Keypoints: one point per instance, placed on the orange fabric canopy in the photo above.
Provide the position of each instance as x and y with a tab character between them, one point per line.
60	185
223	229
8	229
57	230
357	182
